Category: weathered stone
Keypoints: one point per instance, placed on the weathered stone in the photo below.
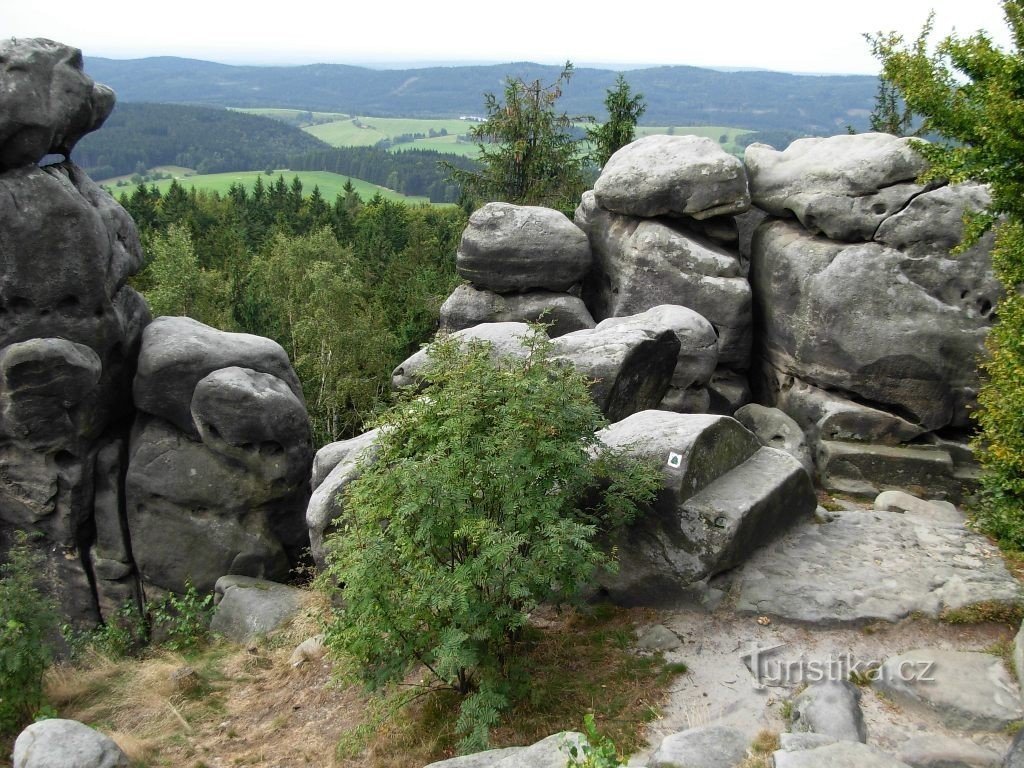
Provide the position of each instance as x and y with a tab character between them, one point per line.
255	419
841	754
658	637
728	391
938	751
898	501
674	175
844	186
310	649
197	514
66	744
469	306
868	566
247	607
486	759
179	352
1015	756
797	742
1018	655
709	746
831	708
897	331
552	752
47	103
332	454
640	264
966	690
629	367
777	430
326	505
933	220
865	469
723	496
512	248
505	339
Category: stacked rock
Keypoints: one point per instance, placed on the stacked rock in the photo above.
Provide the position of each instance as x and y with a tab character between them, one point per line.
70	329
661	223
869	328
218	478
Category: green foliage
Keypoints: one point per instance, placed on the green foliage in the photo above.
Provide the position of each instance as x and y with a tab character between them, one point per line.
480	506
971	92
599	751
891	114
182	622
529	153
624	110
122	635
27	617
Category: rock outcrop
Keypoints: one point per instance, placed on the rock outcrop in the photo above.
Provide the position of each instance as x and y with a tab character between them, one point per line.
70	329
219	459
869	329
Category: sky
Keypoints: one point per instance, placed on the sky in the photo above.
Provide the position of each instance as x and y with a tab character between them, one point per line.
817	36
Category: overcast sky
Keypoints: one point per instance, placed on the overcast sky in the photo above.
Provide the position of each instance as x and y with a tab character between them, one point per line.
786	35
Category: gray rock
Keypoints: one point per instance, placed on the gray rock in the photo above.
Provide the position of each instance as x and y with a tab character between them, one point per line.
797	742
866	469
1018	655
629	367
179	352
326	505
673	175
248	608
698	342
898	332
723	496
513	248
505	339
869	566
966	690
728	391
66	744
1015	756
48	103
641	263
938	751
709	746
255	419
777	430
843	186
478	760
552	752
831	708
469	306
332	454
933	220
899	501
221	517
841	754
658	637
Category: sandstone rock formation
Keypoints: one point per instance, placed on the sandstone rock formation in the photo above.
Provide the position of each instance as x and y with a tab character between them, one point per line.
219	458
469	306
70	328
869	337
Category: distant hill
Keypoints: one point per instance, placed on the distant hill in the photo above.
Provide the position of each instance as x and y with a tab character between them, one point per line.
207	139
757	100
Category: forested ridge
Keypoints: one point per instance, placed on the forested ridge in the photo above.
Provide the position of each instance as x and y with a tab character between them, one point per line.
805	104
209	140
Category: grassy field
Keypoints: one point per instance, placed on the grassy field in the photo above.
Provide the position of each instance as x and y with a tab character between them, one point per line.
713	132
330	184
294	116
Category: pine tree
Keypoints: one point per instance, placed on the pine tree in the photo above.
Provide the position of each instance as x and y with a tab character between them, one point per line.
624	110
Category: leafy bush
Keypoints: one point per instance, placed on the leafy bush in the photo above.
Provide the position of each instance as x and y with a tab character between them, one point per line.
26	619
182	622
480	505
598	752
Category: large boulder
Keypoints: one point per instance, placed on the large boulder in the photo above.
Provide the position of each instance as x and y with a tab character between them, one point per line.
66	744
505	340
643	263
469	306
777	430
709	746
219	460
673	175
70	329
49	103
895	330
512	248
723	496
842	186
248	608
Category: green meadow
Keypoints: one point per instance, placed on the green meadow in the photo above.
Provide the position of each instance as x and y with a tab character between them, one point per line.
330	184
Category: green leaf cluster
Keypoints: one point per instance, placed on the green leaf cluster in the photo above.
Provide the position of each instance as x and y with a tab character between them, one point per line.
971	92
481	504
27	620
624	110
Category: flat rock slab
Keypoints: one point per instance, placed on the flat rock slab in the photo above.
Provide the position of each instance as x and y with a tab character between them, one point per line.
842	754
966	690
712	746
936	751
869	566
479	759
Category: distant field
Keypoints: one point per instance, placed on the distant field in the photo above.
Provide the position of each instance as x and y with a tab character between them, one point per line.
330	184
366	131
294	116
713	132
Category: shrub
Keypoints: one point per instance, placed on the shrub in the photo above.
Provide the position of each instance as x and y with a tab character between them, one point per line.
182	622
479	506
26	619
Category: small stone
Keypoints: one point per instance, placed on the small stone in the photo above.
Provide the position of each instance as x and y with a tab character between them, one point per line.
185	679
658	638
